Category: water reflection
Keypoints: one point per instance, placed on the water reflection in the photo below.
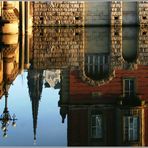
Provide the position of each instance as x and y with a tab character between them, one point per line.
101	78
35	84
6	118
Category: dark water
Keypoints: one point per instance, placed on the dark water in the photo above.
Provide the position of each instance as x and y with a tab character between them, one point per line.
74	87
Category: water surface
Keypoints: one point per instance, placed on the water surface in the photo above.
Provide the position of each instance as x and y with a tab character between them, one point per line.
75	87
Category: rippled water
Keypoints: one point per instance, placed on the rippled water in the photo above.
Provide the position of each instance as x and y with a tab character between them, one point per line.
74	87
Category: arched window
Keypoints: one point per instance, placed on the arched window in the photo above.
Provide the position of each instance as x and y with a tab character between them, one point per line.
96	65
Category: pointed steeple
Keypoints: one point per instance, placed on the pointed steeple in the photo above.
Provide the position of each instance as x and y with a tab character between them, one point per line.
35	85
34	137
63	112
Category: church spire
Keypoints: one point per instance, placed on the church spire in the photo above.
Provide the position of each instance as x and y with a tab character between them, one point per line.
34	137
35	85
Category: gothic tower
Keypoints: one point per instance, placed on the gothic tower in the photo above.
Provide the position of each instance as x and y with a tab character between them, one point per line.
35	85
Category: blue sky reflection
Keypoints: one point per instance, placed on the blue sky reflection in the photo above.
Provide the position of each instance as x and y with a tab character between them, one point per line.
50	130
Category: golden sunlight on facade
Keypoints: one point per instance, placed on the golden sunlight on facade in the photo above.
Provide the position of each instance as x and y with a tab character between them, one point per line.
21	16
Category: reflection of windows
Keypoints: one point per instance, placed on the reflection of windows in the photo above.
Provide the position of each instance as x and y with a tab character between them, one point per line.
129	87
96	62
96	65
96	126
131	128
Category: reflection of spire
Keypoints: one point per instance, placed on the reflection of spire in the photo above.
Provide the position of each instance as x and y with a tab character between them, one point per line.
63	112
34	140
35	84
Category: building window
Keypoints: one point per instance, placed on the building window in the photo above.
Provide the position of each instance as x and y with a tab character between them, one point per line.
129	87
96	126
131	128
96	65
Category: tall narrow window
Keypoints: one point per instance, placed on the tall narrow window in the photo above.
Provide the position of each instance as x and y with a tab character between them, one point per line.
131	128
129	87
96	126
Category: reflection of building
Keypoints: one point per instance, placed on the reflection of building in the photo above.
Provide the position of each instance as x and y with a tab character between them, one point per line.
13	55
1	73
111	123
5	117
80	13
14	16
106	125
9	60
56	48
109	108
35	84
52	78
9	69
9	20
96	59
120	110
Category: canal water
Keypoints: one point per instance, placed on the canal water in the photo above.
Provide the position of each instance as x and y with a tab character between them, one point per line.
74	87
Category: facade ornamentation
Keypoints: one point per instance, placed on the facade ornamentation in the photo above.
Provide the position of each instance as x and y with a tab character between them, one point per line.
68	13
9	20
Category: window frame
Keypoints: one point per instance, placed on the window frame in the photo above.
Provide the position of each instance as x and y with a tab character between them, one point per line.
129	91
128	133
100	135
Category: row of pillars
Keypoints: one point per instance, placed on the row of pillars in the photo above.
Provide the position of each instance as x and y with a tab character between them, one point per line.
24	15
24	30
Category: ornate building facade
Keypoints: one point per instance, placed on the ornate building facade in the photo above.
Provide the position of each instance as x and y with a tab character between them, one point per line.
24	15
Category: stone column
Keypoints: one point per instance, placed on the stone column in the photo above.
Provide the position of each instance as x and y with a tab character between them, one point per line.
27	64
21	53
1	6
116	13
143	13
116	47
143	48
27	12
143	128
1	68
22	17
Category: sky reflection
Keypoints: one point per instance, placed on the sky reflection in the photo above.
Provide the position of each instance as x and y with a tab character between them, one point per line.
49	128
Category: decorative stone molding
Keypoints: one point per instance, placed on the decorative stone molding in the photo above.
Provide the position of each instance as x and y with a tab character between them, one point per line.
116	13
116	34
130	66
58	13
116	47
8	13
143	46
92	82
117	60
143	13
57	47
10	58
9	22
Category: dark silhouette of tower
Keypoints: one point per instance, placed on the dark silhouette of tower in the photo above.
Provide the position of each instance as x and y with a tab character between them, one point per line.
35	85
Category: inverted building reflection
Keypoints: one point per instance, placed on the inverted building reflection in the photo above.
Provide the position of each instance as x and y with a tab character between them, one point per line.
5	117
9	63
101	74
107	95
35	85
